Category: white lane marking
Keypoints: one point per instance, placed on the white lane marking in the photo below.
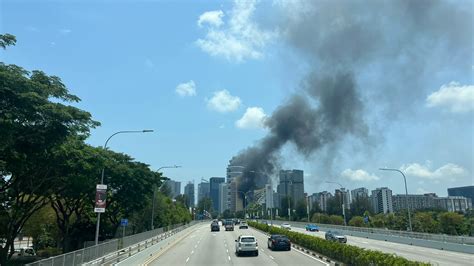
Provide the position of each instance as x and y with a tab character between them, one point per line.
195	246
271	257
325	263
187	260
227	250
365	242
192	252
228	257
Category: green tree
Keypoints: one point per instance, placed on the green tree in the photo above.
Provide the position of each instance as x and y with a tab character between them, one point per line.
227	214
359	206
451	223
357	221
425	222
204	204
301	210
334	205
35	119
336	219
7	40
321	218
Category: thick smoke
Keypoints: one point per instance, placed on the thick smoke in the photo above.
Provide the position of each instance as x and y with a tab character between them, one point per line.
388	46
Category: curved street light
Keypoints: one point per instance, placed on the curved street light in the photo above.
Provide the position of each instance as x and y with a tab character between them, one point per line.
406	192
103	173
154	193
343	200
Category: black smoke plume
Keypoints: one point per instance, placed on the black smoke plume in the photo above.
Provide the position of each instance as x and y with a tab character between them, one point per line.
392	46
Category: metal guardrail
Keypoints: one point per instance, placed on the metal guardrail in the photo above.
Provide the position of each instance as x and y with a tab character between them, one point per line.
85	255
465	240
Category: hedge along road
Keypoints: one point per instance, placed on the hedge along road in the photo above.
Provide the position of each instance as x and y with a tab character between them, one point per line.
203	247
433	256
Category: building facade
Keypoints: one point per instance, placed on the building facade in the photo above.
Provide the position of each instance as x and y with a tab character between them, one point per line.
323	198
467	191
203	190
291	185
416	202
269	202
224	197
344	194
382	200
214	191
189	192
454	203
174	187
361	192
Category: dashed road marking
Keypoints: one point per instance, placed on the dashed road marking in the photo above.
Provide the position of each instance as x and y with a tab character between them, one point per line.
187	260
195	246
192	251
228	257
271	257
227	250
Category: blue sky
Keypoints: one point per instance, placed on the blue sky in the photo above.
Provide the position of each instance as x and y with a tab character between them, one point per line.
127	59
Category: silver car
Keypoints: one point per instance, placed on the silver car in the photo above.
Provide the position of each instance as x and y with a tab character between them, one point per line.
335	236
246	244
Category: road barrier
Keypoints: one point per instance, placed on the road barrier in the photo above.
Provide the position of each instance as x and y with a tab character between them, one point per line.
89	254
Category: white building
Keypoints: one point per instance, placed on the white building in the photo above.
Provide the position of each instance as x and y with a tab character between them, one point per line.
269	196
454	203
361	192
382	200
224	197
323	198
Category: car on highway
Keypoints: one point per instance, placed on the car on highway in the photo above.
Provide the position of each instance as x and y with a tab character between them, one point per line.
243	225
335	236
237	221
279	242
229	225
246	244
286	226
215	226
312	228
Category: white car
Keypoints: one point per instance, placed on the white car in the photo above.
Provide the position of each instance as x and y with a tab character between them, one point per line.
246	244
286	226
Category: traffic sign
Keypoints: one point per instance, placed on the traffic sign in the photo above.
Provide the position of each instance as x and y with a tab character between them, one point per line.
124	222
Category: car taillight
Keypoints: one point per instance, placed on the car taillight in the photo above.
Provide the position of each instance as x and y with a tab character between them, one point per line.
256	244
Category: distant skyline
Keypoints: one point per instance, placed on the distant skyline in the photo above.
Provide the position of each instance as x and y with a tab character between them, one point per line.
208	76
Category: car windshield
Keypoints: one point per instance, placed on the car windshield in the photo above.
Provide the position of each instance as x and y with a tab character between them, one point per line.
247	239
337	233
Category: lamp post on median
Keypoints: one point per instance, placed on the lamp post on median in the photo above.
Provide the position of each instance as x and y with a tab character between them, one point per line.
103	173
343	200
154	194
406	192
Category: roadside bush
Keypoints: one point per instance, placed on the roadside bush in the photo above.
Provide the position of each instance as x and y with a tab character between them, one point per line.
344	253
48	252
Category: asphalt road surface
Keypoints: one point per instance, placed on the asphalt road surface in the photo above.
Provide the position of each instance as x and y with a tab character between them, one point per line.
433	256
203	247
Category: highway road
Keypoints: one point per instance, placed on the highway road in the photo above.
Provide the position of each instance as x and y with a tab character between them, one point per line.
203	247
433	256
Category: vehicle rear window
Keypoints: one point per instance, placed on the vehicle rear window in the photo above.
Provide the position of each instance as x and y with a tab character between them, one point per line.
282	238
247	239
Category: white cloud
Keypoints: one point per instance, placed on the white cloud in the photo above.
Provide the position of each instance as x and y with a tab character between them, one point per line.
241	38
448	171
213	18
186	89
455	97
65	31
223	102
254	117
359	175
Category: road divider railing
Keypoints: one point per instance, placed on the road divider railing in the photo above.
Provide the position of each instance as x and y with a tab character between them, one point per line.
110	250
343	253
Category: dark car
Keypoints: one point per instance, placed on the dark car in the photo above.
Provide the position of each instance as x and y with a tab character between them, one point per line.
335	236
312	228
229	225
279	242
215	226
237	221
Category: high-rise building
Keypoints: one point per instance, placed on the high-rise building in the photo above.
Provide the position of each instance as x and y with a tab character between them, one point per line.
343	193
234	171
416	202
269	196
322	198
224	197
382	200
203	190
454	203
214	190
189	192
174	187
236	199
312	200
361	192
291	185
467	191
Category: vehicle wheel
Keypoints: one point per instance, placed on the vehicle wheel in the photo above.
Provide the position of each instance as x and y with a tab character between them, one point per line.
256	253
237	253
289	248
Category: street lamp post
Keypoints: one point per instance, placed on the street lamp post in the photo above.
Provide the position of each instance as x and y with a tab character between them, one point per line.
103	173
406	192
343	201
154	194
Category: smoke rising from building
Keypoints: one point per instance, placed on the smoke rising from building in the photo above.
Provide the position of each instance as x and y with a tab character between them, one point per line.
360	54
